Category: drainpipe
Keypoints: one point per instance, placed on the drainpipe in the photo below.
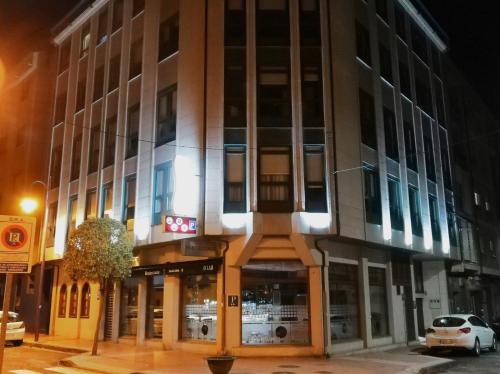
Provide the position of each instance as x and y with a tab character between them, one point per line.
323	298
224	306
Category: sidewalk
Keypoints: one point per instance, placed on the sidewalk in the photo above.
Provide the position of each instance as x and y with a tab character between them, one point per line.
126	358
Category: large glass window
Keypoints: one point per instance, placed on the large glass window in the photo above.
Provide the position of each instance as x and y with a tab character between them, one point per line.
95	134
428	149
395	206
199	307
163	192
51	225
102	26
72	209
169	37
344	301
110	141
410	147
73	301
132	131
85	40
91	204
64	56
415	213
272	22
63	296
234	179
85	301
367	119
363	43
129	202
275	303
129	307
235	23
378	302
154	317
434	213
107	200
235	87
391	135
314	179
373	209
166	115
135	59
98	82
385	62
114	73
275	181
55	166
117	14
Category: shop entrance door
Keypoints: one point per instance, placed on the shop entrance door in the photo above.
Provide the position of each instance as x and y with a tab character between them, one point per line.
129	307
154	316
420	317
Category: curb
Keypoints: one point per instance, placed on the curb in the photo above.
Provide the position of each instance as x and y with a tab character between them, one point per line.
438	368
54	347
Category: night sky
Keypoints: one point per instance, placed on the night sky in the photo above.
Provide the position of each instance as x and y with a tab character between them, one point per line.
474	32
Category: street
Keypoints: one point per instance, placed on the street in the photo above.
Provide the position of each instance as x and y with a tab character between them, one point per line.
487	363
27	360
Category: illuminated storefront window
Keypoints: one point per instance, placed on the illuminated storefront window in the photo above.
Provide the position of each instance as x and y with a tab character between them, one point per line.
378	302
275	303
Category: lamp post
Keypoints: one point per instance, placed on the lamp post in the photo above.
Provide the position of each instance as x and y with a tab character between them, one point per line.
29	205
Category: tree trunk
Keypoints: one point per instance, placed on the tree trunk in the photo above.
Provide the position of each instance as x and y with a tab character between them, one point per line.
103	286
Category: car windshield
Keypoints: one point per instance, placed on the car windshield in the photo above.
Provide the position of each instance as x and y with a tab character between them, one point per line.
448	322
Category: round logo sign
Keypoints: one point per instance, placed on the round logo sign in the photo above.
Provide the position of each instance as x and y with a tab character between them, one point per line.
14	237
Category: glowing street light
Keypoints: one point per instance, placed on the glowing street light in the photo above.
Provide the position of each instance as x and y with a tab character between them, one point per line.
29	205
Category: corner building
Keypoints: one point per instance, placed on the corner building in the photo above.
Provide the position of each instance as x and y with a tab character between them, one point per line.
306	138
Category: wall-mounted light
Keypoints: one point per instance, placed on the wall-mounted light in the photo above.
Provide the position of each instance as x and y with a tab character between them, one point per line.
317	220
234	220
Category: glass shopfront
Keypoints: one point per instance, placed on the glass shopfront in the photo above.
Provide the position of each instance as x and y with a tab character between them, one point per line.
275	303
199	307
128	307
378	302
154	317
344	301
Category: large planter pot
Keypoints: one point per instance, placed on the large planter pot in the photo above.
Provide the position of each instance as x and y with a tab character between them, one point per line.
220	364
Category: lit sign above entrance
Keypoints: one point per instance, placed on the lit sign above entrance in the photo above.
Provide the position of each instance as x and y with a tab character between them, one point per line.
180	225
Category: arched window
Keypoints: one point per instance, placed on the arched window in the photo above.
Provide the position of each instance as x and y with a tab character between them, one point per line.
85	301
73	301
63	296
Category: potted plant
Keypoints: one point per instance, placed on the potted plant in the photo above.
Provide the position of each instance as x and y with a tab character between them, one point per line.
220	364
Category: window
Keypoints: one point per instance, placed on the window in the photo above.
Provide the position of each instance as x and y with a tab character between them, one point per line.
445	160
436	66
279	290
315	184
477	199
98	82
85	40
137	7
434	213
378	302
117	15
363	43
199	307
272	23
452	225
419	42
135	59
163	192
400	19
55	166
404	78
410	147
110	141
64	55
385	62
312	87
395	206
129	306
234	179
274	106
310	23
80	95
132	131
63	297
391	135
73	301
60	113
91	205
107	200
76	157
344	302
373	209
235	95
72	209
415	212
438	89
114	73
422	87
167	116
429	154
129	202
367	119
102	26
381	8
169	37
95	134
51	225
235	23
418	273
85	301
154	312
275	180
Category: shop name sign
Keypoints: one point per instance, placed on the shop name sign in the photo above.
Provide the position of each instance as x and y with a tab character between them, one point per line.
181	225
193	267
17	235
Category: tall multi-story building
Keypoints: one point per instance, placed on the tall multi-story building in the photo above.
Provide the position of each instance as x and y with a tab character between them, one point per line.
25	126
282	166
473	281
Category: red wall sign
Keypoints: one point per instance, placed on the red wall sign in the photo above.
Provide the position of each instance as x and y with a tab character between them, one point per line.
180	225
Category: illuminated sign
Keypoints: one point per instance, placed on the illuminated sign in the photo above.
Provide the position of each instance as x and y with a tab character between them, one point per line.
16	244
180	225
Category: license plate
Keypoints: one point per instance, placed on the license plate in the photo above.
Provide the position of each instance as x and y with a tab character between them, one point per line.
446	341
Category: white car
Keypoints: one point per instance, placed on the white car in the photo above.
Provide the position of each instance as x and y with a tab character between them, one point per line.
15	329
465	331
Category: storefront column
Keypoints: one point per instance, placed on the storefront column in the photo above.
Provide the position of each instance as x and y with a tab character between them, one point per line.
115	327
141	310
365	309
233	314
171	296
316	303
327	328
390	297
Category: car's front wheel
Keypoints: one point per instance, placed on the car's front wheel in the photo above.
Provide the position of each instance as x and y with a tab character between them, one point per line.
476	351
493	347
17	343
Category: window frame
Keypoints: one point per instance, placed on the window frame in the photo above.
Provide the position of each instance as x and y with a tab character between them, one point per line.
170	120
85	301
73	301
166	197
132	140
229	205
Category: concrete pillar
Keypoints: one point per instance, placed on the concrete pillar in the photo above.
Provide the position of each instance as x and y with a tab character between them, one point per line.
327	328
171	293
233	314
364	304
316	300
390	298
141	310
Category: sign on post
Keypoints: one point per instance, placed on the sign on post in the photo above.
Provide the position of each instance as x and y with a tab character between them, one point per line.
17	237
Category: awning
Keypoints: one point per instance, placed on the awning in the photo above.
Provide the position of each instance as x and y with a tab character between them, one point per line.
209	266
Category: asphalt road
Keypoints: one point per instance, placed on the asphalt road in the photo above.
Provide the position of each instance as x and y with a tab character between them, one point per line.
27	360
487	363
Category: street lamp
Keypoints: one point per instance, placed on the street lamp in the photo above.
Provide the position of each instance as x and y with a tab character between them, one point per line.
29	205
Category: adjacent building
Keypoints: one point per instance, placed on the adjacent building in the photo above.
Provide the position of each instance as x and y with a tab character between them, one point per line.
282	165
